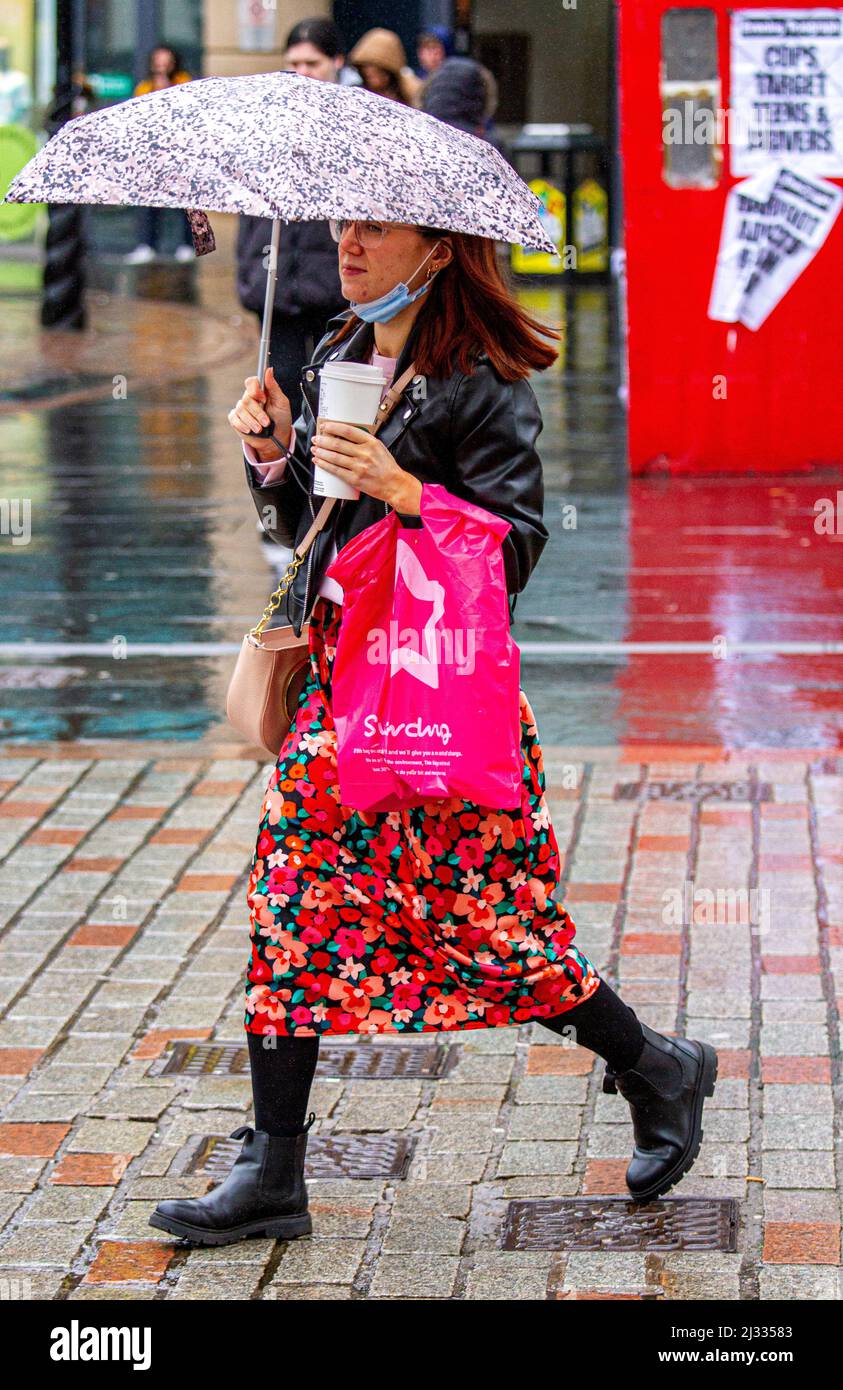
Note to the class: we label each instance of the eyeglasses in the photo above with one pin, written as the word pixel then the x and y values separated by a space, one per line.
pixel 369 234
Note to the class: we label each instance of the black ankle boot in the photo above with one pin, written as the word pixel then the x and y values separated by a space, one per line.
pixel 263 1195
pixel 665 1091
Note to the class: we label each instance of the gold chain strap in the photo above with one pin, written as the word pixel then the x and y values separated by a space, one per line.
pixel 274 599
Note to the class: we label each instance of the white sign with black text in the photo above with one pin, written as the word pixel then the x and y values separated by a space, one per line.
pixel 773 226
pixel 786 100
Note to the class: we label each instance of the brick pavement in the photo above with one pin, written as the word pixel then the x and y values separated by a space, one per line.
pixel 708 886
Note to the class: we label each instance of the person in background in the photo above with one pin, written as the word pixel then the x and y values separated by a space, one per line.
pixel 458 94
pixel 15 89
pixel 433 46
pixel 164 69
pixel 382 63
pixel 315 48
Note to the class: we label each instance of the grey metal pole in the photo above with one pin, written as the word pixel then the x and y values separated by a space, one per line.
pixel 269 299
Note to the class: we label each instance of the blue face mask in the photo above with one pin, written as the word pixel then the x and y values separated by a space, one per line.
pixel 383 309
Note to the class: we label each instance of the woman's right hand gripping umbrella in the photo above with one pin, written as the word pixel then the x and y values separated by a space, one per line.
pixel 260 406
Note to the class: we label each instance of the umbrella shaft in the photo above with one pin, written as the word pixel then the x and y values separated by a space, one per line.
pixel 269 299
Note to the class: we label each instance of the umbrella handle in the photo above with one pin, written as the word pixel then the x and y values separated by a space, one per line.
pixel 268 307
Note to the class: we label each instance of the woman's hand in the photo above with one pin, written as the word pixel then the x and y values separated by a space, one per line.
pixel 360 458
pixel 261 406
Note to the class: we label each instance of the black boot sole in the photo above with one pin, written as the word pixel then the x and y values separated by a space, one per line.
pixel 686 1160
pixel 279 1228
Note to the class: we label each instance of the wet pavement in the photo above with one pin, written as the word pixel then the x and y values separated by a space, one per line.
pixel 126 606
pixel 486 1165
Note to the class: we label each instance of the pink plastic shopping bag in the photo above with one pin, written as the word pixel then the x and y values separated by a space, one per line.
pixel 426 677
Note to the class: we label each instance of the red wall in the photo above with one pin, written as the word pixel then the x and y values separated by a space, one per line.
pixel 784 406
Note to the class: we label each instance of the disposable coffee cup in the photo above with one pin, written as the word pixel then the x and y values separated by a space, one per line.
pixel 350 392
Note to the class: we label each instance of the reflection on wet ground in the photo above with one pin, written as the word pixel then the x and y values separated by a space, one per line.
pixel 141 532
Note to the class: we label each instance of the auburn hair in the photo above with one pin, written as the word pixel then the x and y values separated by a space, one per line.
pixel 471 308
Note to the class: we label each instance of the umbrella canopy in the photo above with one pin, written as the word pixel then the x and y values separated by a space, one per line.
pixel 288 147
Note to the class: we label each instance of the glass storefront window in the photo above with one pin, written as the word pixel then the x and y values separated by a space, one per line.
pixel 120 33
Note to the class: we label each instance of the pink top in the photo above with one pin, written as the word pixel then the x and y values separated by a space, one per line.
pixel 274 472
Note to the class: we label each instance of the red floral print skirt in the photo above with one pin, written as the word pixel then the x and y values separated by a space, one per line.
pixel 436 918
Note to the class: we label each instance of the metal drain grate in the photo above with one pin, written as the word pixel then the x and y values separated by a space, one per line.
pixel 388 1061
pixel 617 1223
pixel 328 1156
pixel 205 1059
pixel 364 1060
pixel 694 791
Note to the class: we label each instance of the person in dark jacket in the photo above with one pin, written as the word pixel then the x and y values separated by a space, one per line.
pixel 458 93
pixel 442 917
pixel 435 48
pixel 307 292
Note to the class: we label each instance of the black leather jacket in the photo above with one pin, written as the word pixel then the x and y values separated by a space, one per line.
pixel 474 434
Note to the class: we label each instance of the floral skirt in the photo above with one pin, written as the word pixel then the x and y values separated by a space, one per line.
pixel 436 918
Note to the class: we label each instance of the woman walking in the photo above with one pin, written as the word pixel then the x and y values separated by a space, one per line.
pixel 441 918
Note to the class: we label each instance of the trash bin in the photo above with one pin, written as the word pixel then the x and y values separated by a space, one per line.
pixel 567 168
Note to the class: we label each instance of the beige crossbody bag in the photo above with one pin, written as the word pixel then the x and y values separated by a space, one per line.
pixel 272 663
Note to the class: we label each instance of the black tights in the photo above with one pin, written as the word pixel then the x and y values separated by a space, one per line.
pixel 282 1073
pixel 604 1024
pixel 283 1067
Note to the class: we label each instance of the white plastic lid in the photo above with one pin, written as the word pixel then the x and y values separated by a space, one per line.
pixel 354 371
